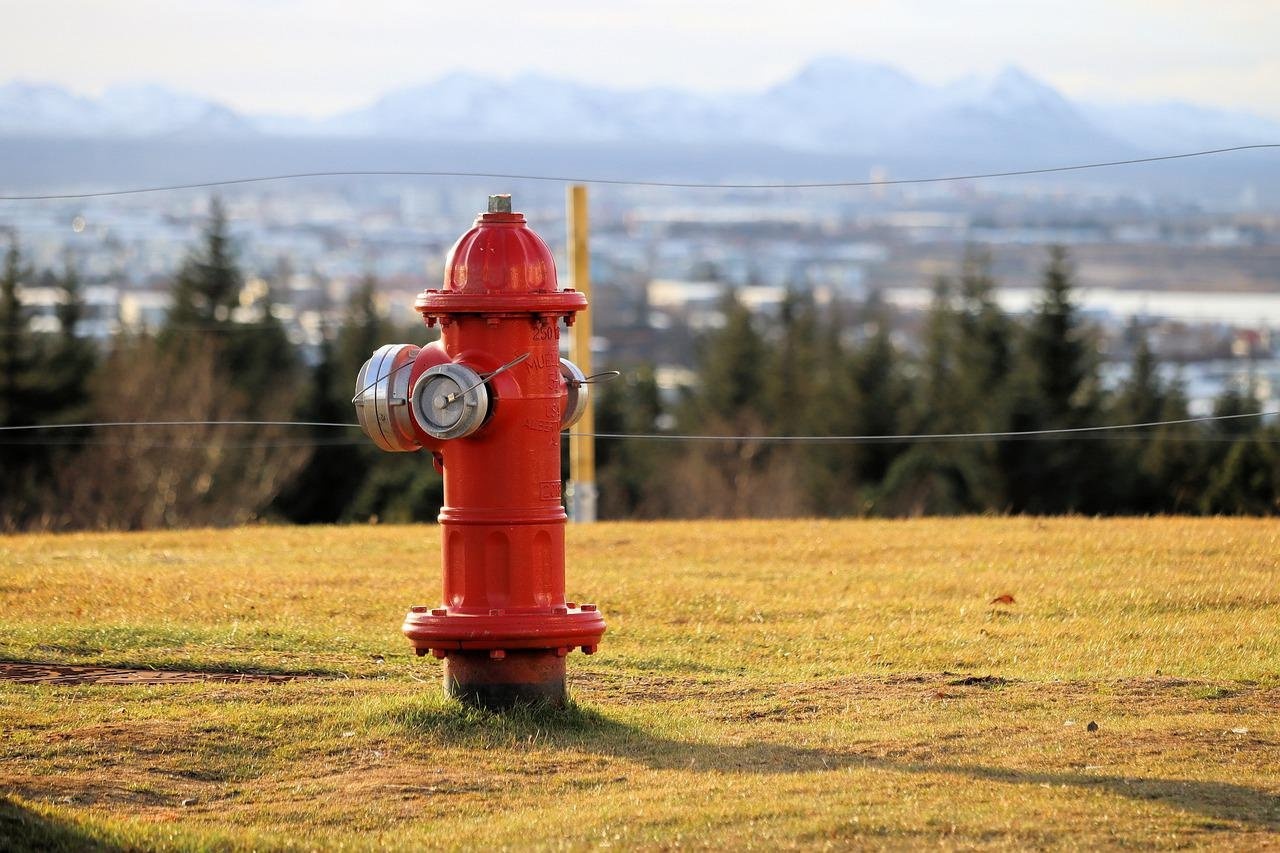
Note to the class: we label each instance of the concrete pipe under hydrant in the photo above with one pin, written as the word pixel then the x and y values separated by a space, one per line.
pixel 489 401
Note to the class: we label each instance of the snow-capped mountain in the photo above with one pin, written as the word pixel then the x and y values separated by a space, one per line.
pixel 833 105
pixel 1008 112
pixel 34 109
pixel 1154 126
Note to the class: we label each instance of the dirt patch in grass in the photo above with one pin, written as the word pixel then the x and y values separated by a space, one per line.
pixel 69 675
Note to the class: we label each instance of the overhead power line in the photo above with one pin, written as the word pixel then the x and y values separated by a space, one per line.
pixel 1071 432
pixel 111 424
pixel 569 179
pixel 1090 432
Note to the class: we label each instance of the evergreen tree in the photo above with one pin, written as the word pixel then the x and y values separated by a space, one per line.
pixel 1160 463
pixel 17 363
pixel 260 359
pixel 835 476
pixel 984 348
pixel 70 359
pixel 1058 349
pixel 1244 477
pixel 629 473
pixel 936 406
pixel 789 385
pixel 1056 387
pixel 963 384
pixel 880 400
pixel 323 489
pixel 17 343
pixel 744 476
pixel 208 284
pixel 43 380
pixel 1247 482
pixel 363 330
pixel 734 363
pixel 254 349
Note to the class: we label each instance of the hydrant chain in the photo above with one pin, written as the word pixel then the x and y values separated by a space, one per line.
pixel 356 400
pixel 510 364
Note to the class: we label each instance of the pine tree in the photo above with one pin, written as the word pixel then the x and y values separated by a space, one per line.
pixel 363 330
pixel 629 473
pixel 834 475
pixel 16 341
pixel 733 366
pixel 984 347
pixel 744 476
pixel 43 380
pixel 963 380
pixel 254 349
pixel 324 488
pixel 208 284
pixel 789 385
pixel 1056 387
pixel 1157 462
pixel 17 360
pixel 260 359
pixel 71 359
pixel 1244 473
pixel 1059 351
pixel 936 404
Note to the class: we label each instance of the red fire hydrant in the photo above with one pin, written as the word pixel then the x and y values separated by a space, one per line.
pixel 489 401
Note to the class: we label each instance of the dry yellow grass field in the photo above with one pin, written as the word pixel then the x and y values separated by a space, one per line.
pixel 763 684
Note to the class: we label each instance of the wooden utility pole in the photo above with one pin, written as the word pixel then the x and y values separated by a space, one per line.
pixel 582 447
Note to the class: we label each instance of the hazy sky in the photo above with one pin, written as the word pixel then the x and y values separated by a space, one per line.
pixel 321 56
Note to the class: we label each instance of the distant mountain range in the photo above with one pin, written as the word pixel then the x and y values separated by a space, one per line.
pixel 835 106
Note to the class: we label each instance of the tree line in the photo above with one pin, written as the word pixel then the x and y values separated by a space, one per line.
pixel 833 370
pixel 816 370
pixel 216 358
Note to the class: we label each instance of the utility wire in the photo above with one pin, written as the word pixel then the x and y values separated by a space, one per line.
pixel 363 442
pixel 104 424
pixel 1083 432
pixel 183 445
pixel 411 173
pixel 1076 432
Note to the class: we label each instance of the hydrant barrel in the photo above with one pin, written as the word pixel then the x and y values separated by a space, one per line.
pixel 489 401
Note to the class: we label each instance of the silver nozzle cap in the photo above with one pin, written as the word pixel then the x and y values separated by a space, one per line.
pixel 500 203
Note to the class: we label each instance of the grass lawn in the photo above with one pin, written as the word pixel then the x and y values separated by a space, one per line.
pixel 811 683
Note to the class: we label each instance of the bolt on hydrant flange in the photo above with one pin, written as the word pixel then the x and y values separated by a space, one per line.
pixel 489 401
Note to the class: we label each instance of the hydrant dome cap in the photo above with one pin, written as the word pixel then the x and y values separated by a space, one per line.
pixel 500 255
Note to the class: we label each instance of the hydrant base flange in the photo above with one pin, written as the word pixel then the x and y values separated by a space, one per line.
pixel 521 677
pixel 562 627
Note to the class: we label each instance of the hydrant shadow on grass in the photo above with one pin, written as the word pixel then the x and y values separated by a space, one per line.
pixel 24 828
pixel 586 729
